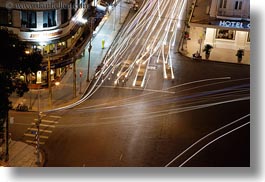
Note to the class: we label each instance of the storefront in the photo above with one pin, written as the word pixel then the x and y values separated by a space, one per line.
pixel 228 34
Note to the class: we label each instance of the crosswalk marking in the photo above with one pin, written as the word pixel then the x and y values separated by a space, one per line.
pixel 55 117
pixel 35 142
pixel 47 121
pixel 45 125
pixel 41 130
pixel 32 135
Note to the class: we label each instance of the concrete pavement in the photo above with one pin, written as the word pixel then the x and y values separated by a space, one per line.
pixel 22 154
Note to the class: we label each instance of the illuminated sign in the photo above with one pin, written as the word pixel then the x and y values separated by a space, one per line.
pixel 234 24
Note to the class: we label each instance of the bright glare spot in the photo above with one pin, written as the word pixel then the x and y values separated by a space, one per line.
pixel 57 83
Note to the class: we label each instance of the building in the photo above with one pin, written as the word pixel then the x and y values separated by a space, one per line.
pixel 224 24
pixel 59 29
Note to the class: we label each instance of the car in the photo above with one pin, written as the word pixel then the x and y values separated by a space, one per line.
pixel 125 69
pixel 124 72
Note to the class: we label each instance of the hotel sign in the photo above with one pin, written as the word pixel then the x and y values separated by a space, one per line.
pixel 234 24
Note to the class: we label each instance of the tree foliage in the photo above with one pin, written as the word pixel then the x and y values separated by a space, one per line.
pixel 14 62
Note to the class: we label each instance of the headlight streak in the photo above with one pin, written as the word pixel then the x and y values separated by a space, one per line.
pixel 174 111
pixel 110 62
pixel 114 120
pixel 177 86
pixel 213 142
pixel 213 132
pixel 180 105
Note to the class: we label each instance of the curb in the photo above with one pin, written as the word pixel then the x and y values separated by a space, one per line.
pixel 210 60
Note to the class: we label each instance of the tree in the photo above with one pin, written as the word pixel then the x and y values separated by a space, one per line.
pixel 13 62
pixel 207 49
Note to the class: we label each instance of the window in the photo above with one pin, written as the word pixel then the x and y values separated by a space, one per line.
pixel 28 19
pixel 238 5
pixel 64 16
pixel 222 3
pixel 225 34
pixel 49 19
pixel 3 16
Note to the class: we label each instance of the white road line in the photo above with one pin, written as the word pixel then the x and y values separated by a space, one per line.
pixel 32 135
pixel 55 116
pixel 35 142
pixel 41 130
pixel 46 125
pixel 150 90
pixel 47 121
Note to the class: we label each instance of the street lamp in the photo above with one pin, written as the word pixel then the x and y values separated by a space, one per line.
pixel 38 122
pixel 90 47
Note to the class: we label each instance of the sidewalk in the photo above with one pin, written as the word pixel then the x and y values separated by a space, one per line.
pixel 63 94
pixel 22 154
pixel 195 32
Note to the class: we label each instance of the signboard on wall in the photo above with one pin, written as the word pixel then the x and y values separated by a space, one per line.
pixel 234 24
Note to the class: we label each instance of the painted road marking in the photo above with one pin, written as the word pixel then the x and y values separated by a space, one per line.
pixel 55 117
pixel 35 142
pixel 32 135
pixel 45 125
pixel 47 121
pixel 41 130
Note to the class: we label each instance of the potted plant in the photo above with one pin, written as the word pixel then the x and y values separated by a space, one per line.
pixel 207 49
pixel 240 54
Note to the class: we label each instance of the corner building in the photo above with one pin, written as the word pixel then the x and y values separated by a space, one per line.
pixel 56 28
pixel 225 24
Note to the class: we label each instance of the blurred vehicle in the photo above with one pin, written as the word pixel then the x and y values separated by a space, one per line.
pixel 124 72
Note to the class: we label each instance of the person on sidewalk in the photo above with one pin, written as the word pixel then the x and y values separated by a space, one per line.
pixel 103 43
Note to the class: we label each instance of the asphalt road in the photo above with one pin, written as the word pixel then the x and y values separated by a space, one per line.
pixel 199 118
pixel 123 126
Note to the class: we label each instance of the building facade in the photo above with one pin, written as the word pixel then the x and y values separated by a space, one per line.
pixel 224 24
pixel 56 28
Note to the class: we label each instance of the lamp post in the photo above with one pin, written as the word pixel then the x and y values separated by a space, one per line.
pixel 120 11
pixel 90 47
pixel 38 122
pixel 49 79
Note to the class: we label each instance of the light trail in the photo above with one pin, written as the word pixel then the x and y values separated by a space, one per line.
pixel 213 142
pixel 204 137
pixel 151 93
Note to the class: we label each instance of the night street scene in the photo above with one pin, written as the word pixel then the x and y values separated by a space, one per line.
pixel 125 83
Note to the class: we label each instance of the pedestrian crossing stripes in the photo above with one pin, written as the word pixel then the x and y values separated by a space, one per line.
pixel 47 121
pixel 46 125
pixel 34 142
pixel 59 117
pixel 41 130
pixel 34 135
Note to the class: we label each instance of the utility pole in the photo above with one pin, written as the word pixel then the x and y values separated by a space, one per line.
pixel 7 137
pixel 90 47
pixel 120 11
pixel 49 78
pixel 38 122
pixel 74 77
pixel 114 23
